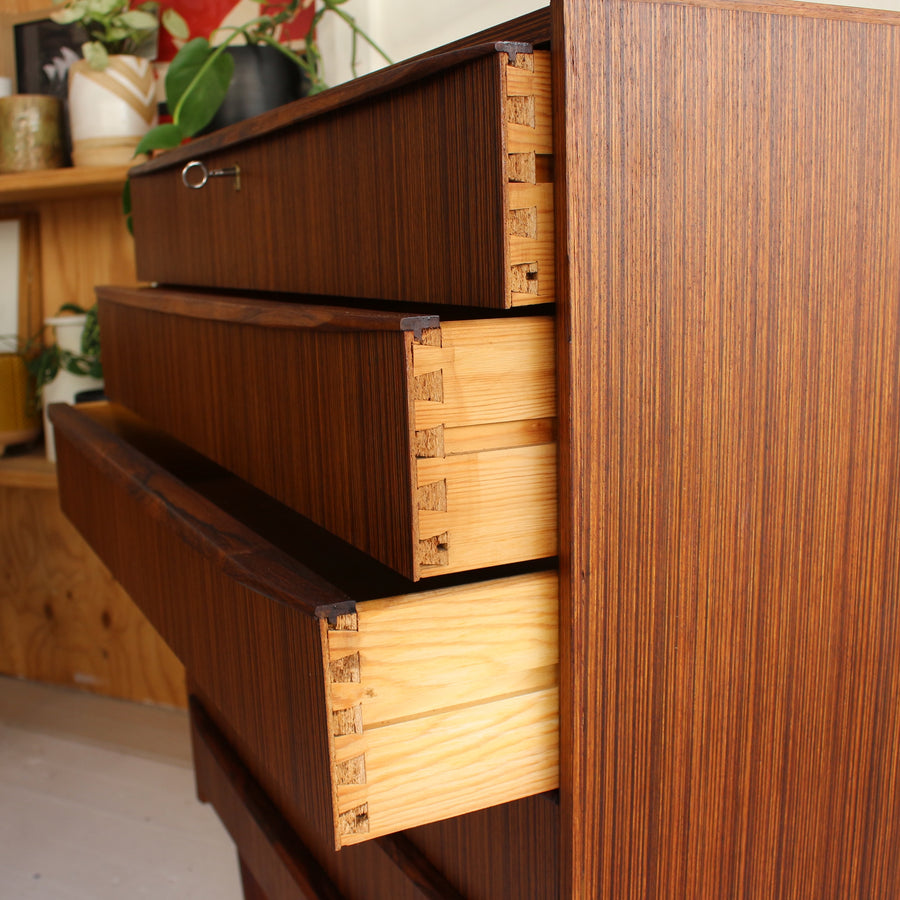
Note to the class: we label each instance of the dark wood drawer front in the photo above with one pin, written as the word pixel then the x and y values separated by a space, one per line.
pixel 429 445
pixel 358 717
pixel 437 190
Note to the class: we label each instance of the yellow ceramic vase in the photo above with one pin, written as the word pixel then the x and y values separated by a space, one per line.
pixel 16 425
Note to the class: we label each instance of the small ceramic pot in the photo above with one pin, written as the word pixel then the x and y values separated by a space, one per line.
pixel 110 111
pixel 65 386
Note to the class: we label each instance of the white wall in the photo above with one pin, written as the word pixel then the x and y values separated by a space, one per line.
pixel 9 284
pixel 404 28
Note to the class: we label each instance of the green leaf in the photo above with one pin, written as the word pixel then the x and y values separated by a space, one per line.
pixel 69 14
pixel 103 8
pixel 175 24
pixel 137 20
pixel 184 67
pixel 126 198
pixel 196 84
pixel 95 53
pixel 72 308
pixel 163 137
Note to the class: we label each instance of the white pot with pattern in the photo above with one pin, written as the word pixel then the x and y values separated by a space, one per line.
pixel 110 111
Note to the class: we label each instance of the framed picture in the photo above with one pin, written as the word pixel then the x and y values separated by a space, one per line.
pixel 44 52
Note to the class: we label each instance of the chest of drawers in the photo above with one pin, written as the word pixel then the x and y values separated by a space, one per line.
pixel 727 332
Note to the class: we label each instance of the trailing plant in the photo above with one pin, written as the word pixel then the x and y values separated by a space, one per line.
pixel 113 27
pixel 45 361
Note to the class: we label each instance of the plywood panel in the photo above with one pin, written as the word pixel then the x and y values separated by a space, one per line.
pixel 63 619
pixel 84 242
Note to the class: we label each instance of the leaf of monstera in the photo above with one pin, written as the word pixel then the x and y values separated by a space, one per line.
pixel 163 137
pixel 196 84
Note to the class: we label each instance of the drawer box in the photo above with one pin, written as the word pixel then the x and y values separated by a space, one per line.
pixel 361 705
pixel 428 444
pixel 436 189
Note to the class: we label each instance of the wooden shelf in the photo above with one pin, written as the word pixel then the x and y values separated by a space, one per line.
pixel 61 184
pixel 31 470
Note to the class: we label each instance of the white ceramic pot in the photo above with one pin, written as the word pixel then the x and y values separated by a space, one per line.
pixel 110 111
pixel 63 388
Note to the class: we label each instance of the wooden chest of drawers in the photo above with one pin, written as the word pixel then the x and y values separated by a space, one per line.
pixel 725 261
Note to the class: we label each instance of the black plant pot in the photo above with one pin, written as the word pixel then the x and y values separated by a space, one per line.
pixel 263 79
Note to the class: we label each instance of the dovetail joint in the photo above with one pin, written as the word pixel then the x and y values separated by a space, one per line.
pixel 354 821
pixel 429 443
pixel 435 551
pixel 429 386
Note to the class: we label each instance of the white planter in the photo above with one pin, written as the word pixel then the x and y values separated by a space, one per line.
pixel 110 111
pixel 65 386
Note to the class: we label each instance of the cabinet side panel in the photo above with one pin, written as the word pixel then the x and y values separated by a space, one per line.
pixel 730 432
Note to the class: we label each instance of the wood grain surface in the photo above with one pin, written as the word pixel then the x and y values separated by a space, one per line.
pixel 505 851
pixel 319 419
pixel 63 619
pixel 84 242
pixel 398 198
pixel 730 361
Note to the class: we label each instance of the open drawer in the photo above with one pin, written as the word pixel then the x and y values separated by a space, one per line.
pixel 428 444
pixel 436 189
pixel 361 705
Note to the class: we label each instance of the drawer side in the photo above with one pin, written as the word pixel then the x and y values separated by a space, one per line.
pixel 442 703
pixel 530 240
pixel 484 422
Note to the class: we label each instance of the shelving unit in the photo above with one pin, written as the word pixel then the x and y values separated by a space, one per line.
pixel 63 619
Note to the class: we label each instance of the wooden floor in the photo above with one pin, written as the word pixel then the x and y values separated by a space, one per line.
pixel 97 801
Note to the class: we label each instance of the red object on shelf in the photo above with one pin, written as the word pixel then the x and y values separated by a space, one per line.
pixel 205 16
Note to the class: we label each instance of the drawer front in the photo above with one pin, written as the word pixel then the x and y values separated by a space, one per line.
pixel 435 192
pixel 360 717
pixel 429 445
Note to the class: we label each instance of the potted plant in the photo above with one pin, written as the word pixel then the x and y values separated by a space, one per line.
pixel 199 77
pixel 112 91
pixel 67 367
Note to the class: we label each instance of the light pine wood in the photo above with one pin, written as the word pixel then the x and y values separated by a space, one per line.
pixel 497 502
pixel 442 703
pixel 470 439
pixel 490 371
pixel 531 81
pixel 84 242
pixel 529 193
pixel 63 619
pixel 484 401
pixel 61 184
